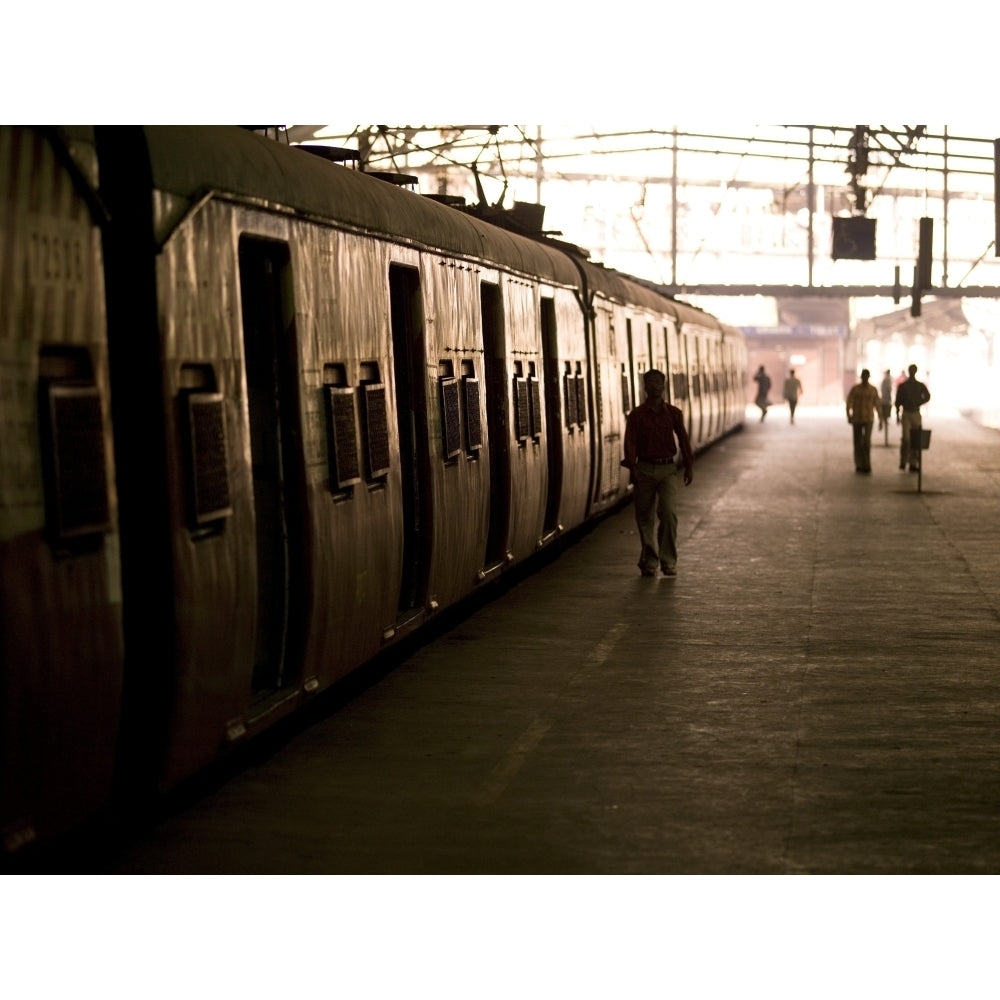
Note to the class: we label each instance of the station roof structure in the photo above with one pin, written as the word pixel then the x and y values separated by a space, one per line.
pixel 710 213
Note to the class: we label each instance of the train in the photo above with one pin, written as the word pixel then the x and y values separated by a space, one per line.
pixel 264 415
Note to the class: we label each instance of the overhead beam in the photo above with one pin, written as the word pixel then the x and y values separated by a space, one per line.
pixel 829 291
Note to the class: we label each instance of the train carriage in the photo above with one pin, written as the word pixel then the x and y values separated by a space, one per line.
pixel 699 336
pixel 734 361
pixel 567 370
pixel 606 302
pixel 61 646
pixel 314 409
pixel 314 317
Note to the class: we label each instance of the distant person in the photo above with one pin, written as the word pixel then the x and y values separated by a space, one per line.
pixel 900 379
pixel 763 381
pixel 653 431
pixel 886 390
pixel 791 392
pixel 910 396
pixel 862 408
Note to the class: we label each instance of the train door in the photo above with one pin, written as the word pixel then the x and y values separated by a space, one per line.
pixel 612 396
pixel 712 386
pixel 409 358
pixel 636 366
pixel 494 347
pixel 686 381
pixel 697 372
pixel 553 416
pixel 272 397
pixel 662 355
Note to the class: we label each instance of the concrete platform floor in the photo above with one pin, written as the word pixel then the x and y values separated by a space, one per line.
pixel 818 691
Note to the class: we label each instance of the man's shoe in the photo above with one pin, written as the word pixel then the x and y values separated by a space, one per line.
pixel 648 572
pixel 667 571
pixel 914 468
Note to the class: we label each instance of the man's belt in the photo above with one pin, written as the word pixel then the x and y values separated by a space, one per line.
pixel 658 461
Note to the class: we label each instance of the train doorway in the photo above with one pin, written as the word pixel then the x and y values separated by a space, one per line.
pixel 409 356
pixel 269 351
pixel 553 417
pixel 498 427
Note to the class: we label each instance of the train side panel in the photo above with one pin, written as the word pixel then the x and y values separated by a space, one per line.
pixel 527 440
pixel 209 463
pixel 303 567
pixel 735 360
pixel 310 411
pixel 455 379
pixel 611 396
pixel 699 337
pixel 353 506
pixel 566 391
pixel 61 647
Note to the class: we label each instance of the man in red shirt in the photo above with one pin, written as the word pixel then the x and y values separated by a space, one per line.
pixel 653 431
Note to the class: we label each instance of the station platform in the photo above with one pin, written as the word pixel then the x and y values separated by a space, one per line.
pixel 817 691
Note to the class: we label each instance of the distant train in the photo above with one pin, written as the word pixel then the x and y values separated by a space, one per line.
pixel 262 416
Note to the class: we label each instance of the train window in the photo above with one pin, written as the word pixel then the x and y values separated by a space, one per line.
pixel 375 422
pixel 680 385
pixel 203 422
pixel 77 455
pixel 71 422
pixel 470 403
pixel 569 397
pixel 522 413
pixel 581 397
pixel 342 438
pixel 340 411
pixel 696 384
pixel 626 392
pixel 534 402
pixel 451 431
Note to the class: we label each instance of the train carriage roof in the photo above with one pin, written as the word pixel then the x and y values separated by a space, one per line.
pixel 621 287
pixel 193 161
pixel 690 315
pixel 638 292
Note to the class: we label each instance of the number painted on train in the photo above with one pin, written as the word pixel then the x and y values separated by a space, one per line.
pixel 55 256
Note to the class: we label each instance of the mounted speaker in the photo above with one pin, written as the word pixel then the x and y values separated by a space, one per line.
pixel 924 252
pixel 853 238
